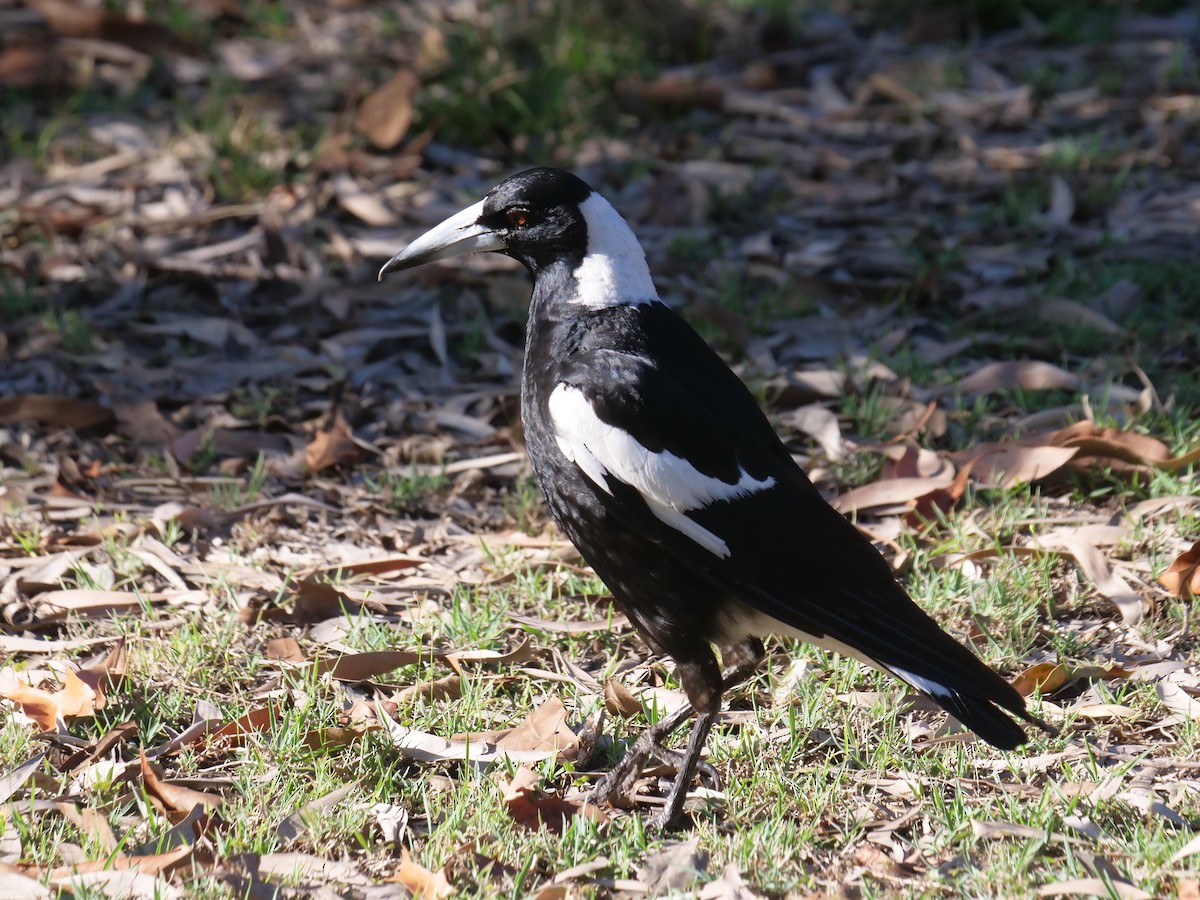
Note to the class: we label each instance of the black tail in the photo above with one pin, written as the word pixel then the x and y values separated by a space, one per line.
pixel 988 717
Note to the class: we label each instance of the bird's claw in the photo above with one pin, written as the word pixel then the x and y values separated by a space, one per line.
pixel 618 784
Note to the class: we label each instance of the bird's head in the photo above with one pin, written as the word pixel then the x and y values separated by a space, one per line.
pixel 542 217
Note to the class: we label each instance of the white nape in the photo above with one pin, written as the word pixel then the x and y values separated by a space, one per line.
pixel 614 271
pixel 670 485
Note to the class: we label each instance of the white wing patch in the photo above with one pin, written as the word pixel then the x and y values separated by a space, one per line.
pixel 670 485
pixel 614 271
pixel 932 688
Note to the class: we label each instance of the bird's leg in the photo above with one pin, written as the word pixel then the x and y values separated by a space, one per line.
pixel 619 780
pixel 671 810
pixel 743 659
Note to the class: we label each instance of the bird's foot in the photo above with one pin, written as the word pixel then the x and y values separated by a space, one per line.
pixel 618 784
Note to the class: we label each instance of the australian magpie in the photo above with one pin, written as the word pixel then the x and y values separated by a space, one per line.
pixel 666 475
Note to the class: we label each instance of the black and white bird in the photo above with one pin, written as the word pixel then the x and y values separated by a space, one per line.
pixel 661 468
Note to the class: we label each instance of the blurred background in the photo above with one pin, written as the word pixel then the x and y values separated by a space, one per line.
pixel 195 196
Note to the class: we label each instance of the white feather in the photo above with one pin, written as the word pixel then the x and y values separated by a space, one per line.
pixel 670 485
pixel 932 688
pixel 614 271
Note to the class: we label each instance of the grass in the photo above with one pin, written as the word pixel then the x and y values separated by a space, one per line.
pixel 798 775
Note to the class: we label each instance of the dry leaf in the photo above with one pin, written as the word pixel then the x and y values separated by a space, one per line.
pixel 1182 577
pixel 174 797
pixel 372 566
pixel 1191 848
pixel 1005 466
pixel 889 492
pixel 54 412
pixel 74 698
pixel 1029 375
pixel 447 688
pixel 385 115
pixel 233 734
pixel 371 664
pixel 619 701
pixel 543 730
pixel 1177 699
pixel 730 886
pixel 333 446
pixel 315 601
pixel 1093 887
pixel 421 882
pixel 1047 678
pixel 675 866
pixel 285 649
pixel 1094 564
pixel 534 809
pixel 14 778
pixel 939 501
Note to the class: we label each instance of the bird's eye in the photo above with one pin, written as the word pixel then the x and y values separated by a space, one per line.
pixel 518 217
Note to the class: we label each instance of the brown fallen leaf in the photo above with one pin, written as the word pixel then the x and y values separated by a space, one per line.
pixel 423 883
pixel 54 412
pixel 1107 581
pixel 286 649
pixel 233 734
pixel 889 492
pixel 1177 698
pixel 1007 465
pixel 142 423
pixel 1050 677
pixel 109 673
pixel 1108 448
pixel 386 113
pixel 17 884
pixel 1182 577
pixel 81 21
pixel 75 698
pixel 371 664
pixel 544 729
pixel 447 688
pixel 333 446
pixel 32 65
pixel 85 756
pixel 1098 887
pixel 315 601
pixel 939 501
pixel 334 737
pixel 148 864
pixel 1029 375
pixel 534 809
pixel 296 823
pixel 173 797
pixel 619 701
pixel 372 566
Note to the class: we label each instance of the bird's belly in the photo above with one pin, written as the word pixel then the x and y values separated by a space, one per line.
pixel 740 621
pixel 668 602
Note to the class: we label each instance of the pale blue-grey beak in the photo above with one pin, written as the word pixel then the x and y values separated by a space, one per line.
pixel 459 234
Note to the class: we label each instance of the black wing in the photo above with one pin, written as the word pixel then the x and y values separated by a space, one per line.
pixel 789 554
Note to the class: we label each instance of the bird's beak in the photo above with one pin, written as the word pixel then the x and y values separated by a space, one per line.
pixel 459 234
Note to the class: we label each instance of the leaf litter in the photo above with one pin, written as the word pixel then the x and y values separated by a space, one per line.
pixel 211 406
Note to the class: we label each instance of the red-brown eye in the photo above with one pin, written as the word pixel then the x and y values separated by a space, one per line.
pixel 517 217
